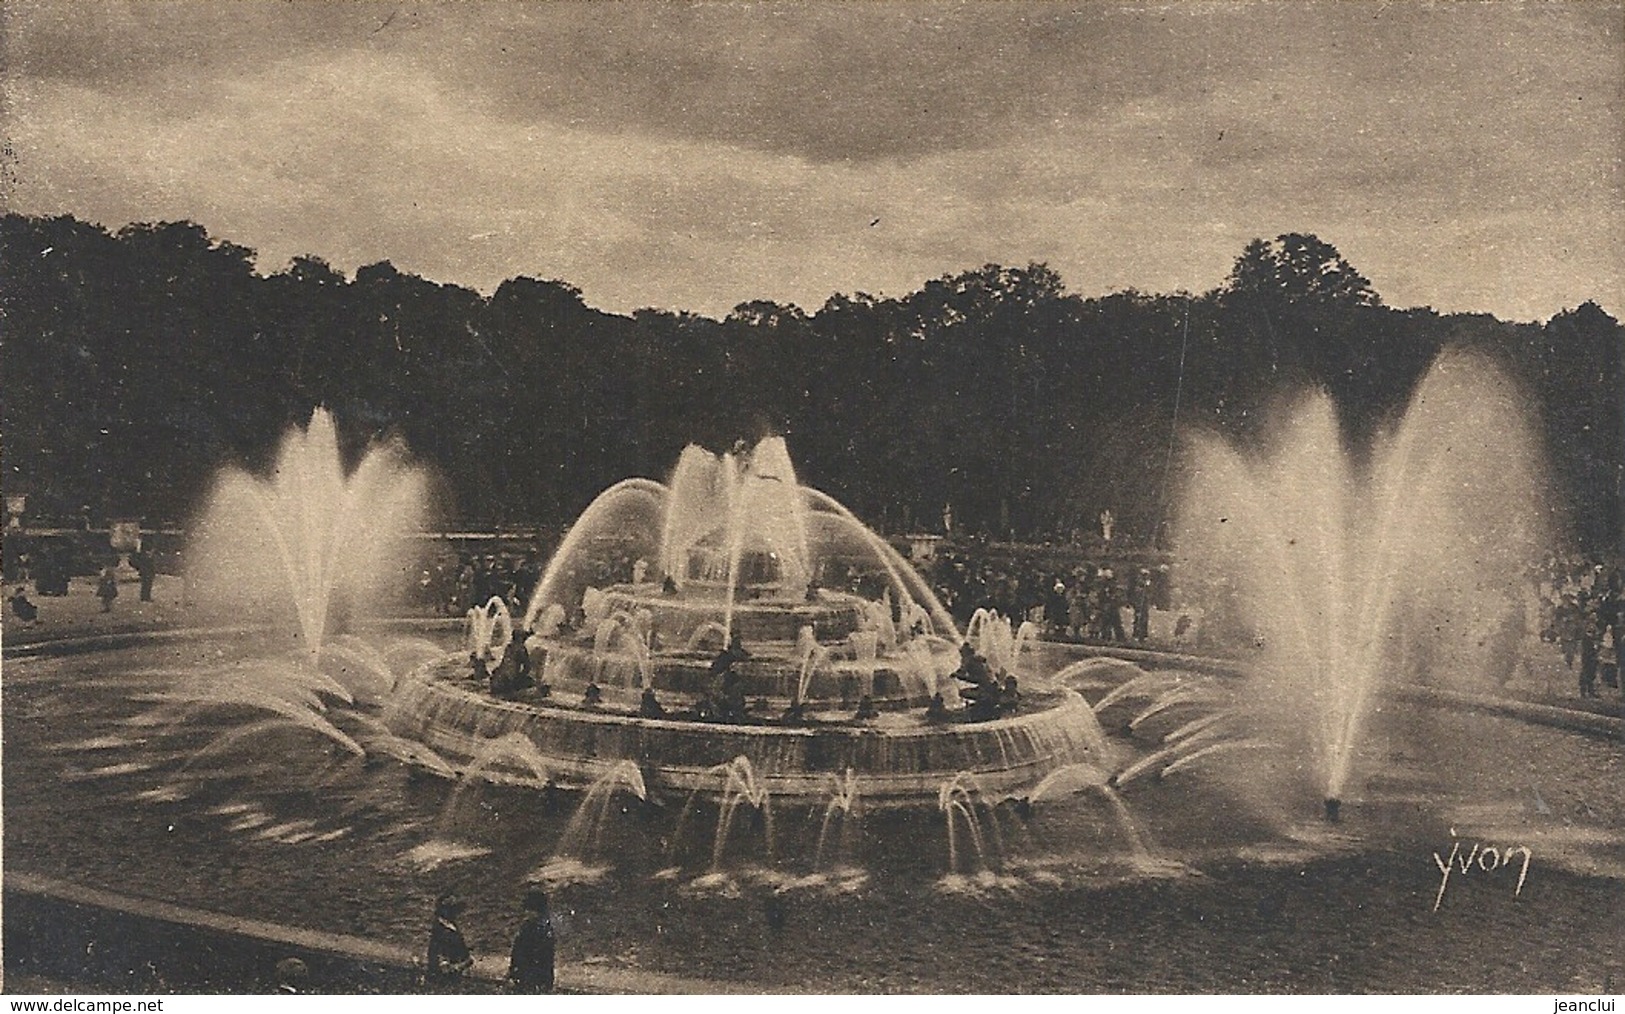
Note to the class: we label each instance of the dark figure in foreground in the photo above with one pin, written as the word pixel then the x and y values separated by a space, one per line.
pixel 107 589
pixel 146 566
pixel 530 963
pixel 449 957
pixel 21 608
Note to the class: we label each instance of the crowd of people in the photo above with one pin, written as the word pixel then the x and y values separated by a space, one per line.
pixel 50 579
pixel 1083 601
pixel 1582 602
pixel 453 583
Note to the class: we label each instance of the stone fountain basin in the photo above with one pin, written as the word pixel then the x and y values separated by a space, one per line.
pixel 898 760
pixel 889 680
pixel 678 618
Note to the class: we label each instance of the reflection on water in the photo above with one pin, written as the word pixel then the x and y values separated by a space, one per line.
pixel 293 804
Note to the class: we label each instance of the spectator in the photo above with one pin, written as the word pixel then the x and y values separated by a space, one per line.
pixel 449 956
pixel 531 960
pixel 107 588
pixel 146 567
pixel 21 608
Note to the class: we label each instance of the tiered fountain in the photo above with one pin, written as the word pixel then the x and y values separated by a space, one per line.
pixel 654 580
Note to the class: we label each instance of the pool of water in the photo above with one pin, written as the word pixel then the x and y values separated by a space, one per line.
pixel 127 770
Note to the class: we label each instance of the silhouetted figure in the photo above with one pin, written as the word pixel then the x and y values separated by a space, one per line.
pixel 1141 601
pixel 512 674
pixel 984 701
pixel 21 608
pixel 649 705
pixel 795 714
pixel 146 567
pixel 866 709
pixel 937 710
pixel 668 586
pixel 1589 638
pixel 973 668
pixel 1056 608
pixel 481 672
pixel 49 574
pixel 530 962
pixel 1009 696
pixel 107 589
pixel 1111 626
pixel 449 957
pixel 727 657
pixel 1569 624
pixel 593 696
pixel 1608 658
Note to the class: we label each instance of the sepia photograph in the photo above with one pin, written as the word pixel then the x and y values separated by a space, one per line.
pixel 890 498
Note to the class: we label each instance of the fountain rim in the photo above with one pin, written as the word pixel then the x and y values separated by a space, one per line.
pixel 73 643
pixel 888 789
pixel 616 718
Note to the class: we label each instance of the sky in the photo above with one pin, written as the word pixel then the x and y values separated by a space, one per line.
pixel 1464 156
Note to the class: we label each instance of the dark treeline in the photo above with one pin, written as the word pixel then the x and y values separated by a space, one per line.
pixel 140 361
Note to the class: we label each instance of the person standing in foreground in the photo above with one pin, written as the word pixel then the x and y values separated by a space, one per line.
pixel 449 957
pixel 107 588
pixel 530 965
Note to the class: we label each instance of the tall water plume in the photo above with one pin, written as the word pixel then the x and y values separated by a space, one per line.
pixel 309 538
pixel 1352 571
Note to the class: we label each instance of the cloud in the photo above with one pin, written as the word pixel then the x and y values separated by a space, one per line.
pixel 698 156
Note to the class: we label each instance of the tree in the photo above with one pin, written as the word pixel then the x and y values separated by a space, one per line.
pixel 1298 268
pixel 1582 391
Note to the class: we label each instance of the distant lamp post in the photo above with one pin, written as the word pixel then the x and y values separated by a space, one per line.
pixel 16 507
